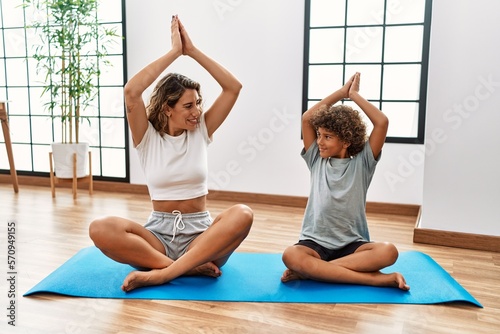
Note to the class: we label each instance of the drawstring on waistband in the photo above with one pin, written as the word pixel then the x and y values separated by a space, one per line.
pixel 178 223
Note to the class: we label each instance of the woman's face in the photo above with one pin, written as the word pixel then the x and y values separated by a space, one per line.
pixel 330 145
pixel 185 115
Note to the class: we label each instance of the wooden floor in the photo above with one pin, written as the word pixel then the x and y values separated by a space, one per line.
pixel 50 231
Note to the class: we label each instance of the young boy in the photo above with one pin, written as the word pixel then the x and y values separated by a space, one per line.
pixel 334 244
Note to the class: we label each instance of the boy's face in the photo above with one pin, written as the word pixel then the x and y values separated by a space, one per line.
pixel 330 145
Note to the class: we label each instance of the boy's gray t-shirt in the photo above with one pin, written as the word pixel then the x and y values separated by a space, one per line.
pixel 335 214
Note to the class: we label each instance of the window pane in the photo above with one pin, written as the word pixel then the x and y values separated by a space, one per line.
pixel 4 161
pixel 12 15
pixel 111 165
pixel 15 45
pixel 116 44
pixel 57 128
pixel 36 77
pixel 112 74
pixel 91 109
pixel 323 79
pixel 16 72
pixel 327 13
pixel 89 131
pixel 41 158
pixel 326 46
pixel 403 118
pixel 112 132
pixel 32 40
pixel 19 129
pixel 37 102
pixel 18 101
pixel 403 44
pixel 2 76
pixel 401 82
pixel 370 79
pixel 111 101
pixel 364 44
pixel 22 156
pixel 110 11
pixel 3 93
pixel 88 49
pixel 363 12
pixel 42 129
pixel 96 161
pixel 405 11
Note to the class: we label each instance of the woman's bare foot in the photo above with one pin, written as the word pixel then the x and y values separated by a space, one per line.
pixel 207 269
pixel 289 275
pixel 137 279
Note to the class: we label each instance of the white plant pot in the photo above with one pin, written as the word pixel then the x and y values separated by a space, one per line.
pixel 63 159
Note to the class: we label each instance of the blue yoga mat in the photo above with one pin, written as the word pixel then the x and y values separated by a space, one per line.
pixel 253 277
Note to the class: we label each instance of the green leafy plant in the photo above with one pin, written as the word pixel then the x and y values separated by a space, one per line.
pixel 71 55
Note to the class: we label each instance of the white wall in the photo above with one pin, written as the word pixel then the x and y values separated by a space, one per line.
pixel 461 180
pixel 257 149
pixel 261 42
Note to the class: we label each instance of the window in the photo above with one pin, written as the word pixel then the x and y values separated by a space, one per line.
pixel 32 129
pixel 387 41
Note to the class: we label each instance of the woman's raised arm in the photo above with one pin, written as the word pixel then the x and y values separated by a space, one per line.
pixel 217 113
pixel 135 87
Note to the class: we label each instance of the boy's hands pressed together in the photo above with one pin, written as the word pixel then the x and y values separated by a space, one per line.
pixel 354 88
pixel 345 90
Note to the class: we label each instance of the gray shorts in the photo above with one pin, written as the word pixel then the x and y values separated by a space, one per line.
pixel 176 230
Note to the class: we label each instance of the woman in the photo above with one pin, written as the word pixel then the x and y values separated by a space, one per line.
pixel 171 136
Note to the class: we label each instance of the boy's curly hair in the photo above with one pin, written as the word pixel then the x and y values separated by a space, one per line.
pixel 344 122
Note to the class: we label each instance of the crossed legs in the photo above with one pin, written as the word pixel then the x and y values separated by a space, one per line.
pixel 128 242
pixel 361 267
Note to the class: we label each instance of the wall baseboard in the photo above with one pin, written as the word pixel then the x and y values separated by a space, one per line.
pixel 242 197
pixel 481 242
pixel 42 181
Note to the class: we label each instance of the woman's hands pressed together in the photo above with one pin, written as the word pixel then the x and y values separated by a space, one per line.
pixel 176 39
pixel 181 42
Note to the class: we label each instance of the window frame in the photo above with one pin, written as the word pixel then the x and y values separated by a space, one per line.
pixel 424 65
pixel 99 147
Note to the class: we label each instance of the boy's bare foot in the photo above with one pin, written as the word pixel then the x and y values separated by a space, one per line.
pixel 400 282
pixel 289 275
pixel 394 279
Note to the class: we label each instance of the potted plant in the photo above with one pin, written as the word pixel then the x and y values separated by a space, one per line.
pixel 70 55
